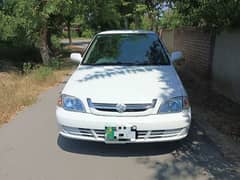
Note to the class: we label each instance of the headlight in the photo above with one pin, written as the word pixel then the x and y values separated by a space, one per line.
pixel 174 105
pixel 70 103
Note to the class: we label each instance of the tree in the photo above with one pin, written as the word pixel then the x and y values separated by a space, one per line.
pixel 131 13
pixel 170 19
pixel 32 20
pixel 209 14
pixel 9 23
pixel 38 18
pixel 101 15
pixel 70 13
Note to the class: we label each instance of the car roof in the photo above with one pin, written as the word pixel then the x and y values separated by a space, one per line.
pixel 126 32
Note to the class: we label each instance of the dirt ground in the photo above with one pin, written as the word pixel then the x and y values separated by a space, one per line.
pixel 207 105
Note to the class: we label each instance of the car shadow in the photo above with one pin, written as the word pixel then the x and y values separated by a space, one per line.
pixel 195 154
pixel 115 150
pixel 197 157
pixel 124 150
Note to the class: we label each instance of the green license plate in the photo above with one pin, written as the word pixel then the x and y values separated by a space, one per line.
pixel 109 133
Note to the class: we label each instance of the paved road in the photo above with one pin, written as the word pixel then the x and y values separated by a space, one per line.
pixel 30 149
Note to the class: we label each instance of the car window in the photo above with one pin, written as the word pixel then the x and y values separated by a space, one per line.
pixel 126 49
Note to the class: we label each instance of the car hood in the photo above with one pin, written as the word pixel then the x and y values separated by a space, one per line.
pixel 124 84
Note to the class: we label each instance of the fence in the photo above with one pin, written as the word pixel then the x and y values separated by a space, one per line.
pixel 196 46
pixel 213 57
pixel 226 64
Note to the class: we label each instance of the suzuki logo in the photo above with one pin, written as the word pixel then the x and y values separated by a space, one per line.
pixel 121 108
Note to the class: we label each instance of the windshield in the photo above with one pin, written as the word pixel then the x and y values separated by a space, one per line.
pixel 126 49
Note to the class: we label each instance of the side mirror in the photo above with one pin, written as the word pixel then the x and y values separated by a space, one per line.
pixel 176 55
pixel 76 57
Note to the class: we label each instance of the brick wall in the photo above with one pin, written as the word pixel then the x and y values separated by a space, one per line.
pixel 196 45
pixel 215 58
pixel 168 39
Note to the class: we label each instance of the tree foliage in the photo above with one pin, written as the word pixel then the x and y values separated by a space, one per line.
pixel 208 14
pixel 35 21
pixel 101 15
pixel 32 21
pixel 171 19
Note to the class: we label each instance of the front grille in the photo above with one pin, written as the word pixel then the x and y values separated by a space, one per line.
pixel 78 131
pixel 94 133
pixel 143 134
pixel 158 133
pixel 100 133
pixel 164 133
pixel 129 107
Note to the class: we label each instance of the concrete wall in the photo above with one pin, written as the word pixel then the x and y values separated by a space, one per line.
pixel 226 64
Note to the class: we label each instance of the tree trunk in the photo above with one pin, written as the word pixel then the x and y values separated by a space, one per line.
pixel 49 43
pixel 69 33
pixel 125 23
pixel 152 22
pixel 44 51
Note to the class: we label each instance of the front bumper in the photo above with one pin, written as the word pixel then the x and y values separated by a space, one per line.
pixel 151 128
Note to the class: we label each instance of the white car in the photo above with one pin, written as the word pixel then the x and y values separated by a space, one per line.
pixel 125 90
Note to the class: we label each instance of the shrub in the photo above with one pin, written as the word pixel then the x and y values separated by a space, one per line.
pixel 88 33
pixel 55 63
pixel 56 42
pixel 132 26
pixel 27 67
pixel 42 73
